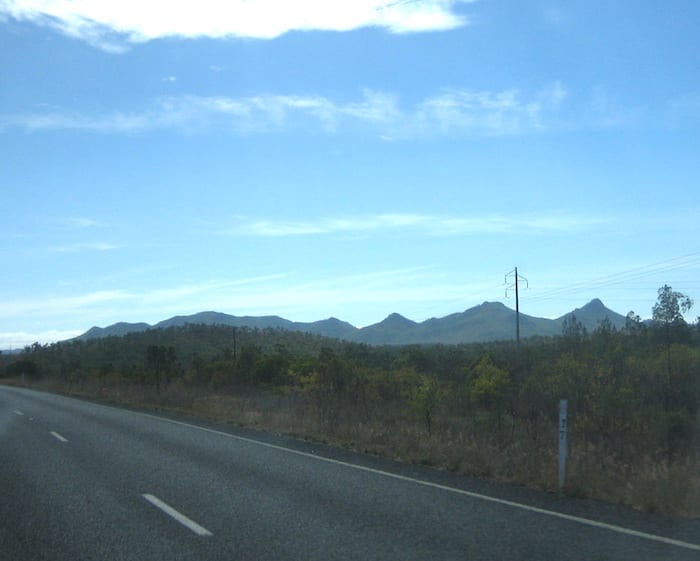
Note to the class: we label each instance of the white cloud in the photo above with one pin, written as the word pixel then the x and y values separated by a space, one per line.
pixel 425 224
pixel 12 340
pixel 81 222
pixel 86 246
pixel 555 94
pixel 62 306
pixel 486 113
pixel 453 111
pixel 359 224
pixel 606 110
pixel 289 295
pixel 376 107
pixel 113 25
pixel 111 303
pixel 56 120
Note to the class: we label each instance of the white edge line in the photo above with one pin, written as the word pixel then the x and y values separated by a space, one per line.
pixel 181 518
pixel 58 436
pixel 570 517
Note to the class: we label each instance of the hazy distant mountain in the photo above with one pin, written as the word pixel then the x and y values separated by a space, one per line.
pixel 331 327
pixel 592 314
pixel 490 321
pixel 217 318
pixel 393 330
pixel 115 330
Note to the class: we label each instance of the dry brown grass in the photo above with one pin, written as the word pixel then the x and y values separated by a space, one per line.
pixel 652 484
pixel 648 483
pixel 644 482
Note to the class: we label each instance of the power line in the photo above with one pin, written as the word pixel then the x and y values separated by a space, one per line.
pixel 625 277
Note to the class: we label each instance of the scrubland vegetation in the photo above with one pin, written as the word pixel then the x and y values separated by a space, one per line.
pixel 487 410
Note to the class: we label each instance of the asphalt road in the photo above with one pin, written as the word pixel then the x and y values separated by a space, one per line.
pixel 82 481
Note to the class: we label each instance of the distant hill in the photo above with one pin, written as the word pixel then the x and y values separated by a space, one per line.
pixel 592 314
pixel 331 327
pixel 490 321
pixel 217 318
pixel 393 330
pixel 116 330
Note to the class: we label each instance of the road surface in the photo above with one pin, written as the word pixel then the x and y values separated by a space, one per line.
pixel 83 481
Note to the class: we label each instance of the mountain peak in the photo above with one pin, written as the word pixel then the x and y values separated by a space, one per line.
pixel 397 319
pixel 493 305
pixel 592 314
pixel 595 304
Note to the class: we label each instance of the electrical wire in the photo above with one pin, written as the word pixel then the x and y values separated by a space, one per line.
pixel 626 277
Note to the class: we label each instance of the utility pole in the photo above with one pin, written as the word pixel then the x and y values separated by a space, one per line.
pixel 234 343
pixel 510 284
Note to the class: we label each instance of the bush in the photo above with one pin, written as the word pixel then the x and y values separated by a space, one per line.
pixel 22 367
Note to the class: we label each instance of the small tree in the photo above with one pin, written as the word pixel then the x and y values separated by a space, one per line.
pixel 634 327
pixel 573 333
pixel 160 361
pixel 491 387
pixel 668 313
pixel 670 307
pixel 425 400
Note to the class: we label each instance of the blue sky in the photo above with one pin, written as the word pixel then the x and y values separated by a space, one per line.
pixel 347 159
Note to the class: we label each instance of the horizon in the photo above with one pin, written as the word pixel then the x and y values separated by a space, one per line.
pixel 343 159
pixel 418 322
pixel 355 326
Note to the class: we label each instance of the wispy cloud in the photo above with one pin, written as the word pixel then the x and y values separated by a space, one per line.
pixel 480 112
pixel 77 305
pixel 80 222
pixel 506 112
pixel 86 246
pixel 359 224
pixel 113 26
pixel 68 305
pixel 12 340
pixel 606 110
pixel 71 120
pixel 423 224
pixel 450 111
pixel 348 296
pixel 453 112
pixel 203 291
pixel 288 294
pixel 684 109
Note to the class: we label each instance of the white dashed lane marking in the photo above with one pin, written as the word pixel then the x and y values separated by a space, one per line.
pixel 181 518
pixel 58 436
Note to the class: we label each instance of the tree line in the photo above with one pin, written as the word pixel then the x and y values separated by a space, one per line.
pixel 634 393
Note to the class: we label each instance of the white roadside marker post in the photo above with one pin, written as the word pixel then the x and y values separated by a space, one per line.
pixel 563 421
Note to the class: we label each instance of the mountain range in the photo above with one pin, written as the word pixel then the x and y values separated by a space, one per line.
pixel 490 321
